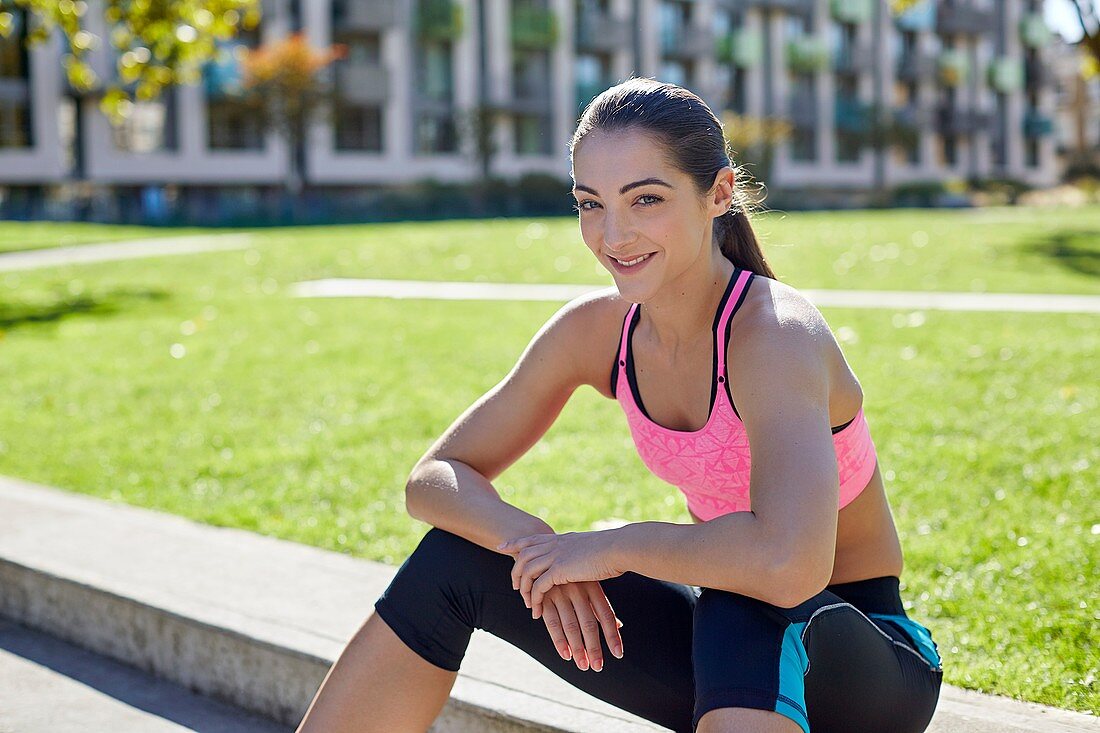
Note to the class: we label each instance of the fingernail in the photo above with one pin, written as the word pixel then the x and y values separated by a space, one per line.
pixel 617 651
pixel 568 654
pixel 597 665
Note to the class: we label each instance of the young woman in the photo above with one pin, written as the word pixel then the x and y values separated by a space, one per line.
pixel 778 608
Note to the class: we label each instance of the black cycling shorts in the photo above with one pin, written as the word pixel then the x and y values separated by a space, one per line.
pixel 849 660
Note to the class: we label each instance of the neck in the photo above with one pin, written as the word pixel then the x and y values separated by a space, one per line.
pixel 683 310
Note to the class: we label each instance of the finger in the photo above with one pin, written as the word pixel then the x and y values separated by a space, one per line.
pixel 572 629
pixel 519 543
pixel 552 619
pixel 608 622
pixel 532 571
pixel 520 566
pixel 542 585
pixel 590 629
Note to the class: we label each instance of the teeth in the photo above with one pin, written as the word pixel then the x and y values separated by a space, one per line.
pixel 631 262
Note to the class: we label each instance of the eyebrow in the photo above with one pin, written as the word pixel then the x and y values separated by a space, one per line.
pixel 627 187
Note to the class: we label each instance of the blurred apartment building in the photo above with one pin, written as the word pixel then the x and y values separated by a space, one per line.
pixel 971 78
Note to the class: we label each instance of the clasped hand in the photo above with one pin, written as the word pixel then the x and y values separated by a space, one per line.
pixel 546 560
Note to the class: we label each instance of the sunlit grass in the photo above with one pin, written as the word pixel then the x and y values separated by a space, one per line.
pixel 197 386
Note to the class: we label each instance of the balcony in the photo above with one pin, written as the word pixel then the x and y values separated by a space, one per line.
pixel 852 11
pixel 916 116
pixel 954 121
pixel 954 67
pixel 807 54
pixel 439 20
pixel 802 111
pixel 534 28
pixel 964 19
pixel 852 115
pixel 1034 31
pixel 920 17
pixel 1006 74
pixel 601 33
pixel 742 48
pixel 1037 124
pixel 367 15
pixel 917 66
pixel 687 42
pixel 853 59
pixel 801 7
pixel 363 83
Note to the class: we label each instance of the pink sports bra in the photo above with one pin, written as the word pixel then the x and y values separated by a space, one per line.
pixel 711 465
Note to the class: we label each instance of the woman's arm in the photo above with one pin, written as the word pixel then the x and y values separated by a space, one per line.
pixel 450 486
pixel 782 550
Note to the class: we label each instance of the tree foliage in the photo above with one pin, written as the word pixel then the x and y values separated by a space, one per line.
pixel 156 43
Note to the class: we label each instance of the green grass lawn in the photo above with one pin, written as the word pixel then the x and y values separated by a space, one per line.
pixel 196 385
pixel 24 235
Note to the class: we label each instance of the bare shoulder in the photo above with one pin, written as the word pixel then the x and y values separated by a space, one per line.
pixel 779 332
pixel 593 324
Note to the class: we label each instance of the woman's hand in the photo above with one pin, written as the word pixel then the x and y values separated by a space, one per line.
pixel 575 613
pixel 546 560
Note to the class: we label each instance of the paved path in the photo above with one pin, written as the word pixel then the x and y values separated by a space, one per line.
pixel 128 250
pixel 1023 302
pixel 48 685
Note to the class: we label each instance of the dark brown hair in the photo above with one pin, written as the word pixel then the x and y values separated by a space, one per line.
pixel 692 140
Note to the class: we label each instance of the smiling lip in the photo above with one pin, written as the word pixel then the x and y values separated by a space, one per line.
pixel 630 268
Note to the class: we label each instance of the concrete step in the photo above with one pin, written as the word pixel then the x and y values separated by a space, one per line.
pixel 51 685
pixel 256 621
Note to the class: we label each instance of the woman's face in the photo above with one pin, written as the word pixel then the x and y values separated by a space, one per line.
pixel 632 203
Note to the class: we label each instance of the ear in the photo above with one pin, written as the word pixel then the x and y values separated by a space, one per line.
pixel 720 197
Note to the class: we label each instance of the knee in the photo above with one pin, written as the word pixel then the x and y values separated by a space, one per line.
pixel 443 556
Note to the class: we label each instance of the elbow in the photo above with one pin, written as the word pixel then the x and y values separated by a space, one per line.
pixel 800 578
pixel 414 489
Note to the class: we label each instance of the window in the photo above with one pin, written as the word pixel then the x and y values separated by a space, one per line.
pixel 435 133
pixel 802 144
pixel 673 72
pixel 532 135
pixel 232 126
pixel 151 126
pixel 1031 151
pixel 435 71
pixel 358 128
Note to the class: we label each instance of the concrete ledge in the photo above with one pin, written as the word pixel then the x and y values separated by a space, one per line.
pixel 257 622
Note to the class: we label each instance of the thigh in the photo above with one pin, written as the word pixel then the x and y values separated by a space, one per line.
pixel 451 586
pixel 823 664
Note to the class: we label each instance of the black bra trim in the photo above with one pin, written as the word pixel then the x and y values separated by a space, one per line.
pixel 631 376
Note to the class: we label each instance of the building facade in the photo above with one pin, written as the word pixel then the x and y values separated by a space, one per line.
pixel 971 81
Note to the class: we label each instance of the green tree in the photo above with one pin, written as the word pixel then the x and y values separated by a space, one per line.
pixel 157 42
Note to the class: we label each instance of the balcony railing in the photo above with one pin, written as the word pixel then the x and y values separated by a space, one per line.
pixel 368 15
pixel 601 32
pixel 802 7
pixel 689 41
pixel 439 20
pixel 807 54
pixel 914 115
pixel 917 66
pixel 363 83
pixel 963 19
pixel 534 28
pixel 852 11
pixel 1036 124
pixel 1006 74
pixel 954 121
pixel 742 48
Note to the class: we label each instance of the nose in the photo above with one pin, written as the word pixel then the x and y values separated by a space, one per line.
pixel 616 233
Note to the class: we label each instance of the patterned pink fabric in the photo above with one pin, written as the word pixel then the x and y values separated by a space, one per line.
pixel 711 465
